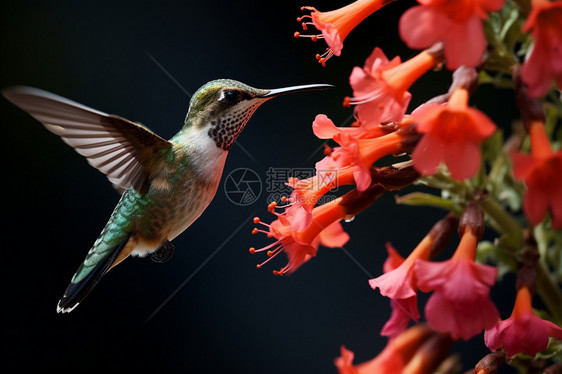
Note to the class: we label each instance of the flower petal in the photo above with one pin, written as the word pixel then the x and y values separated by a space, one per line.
pixel 298 254
pixel 323 127
pixel 462 159
pixel 333 236
pixel 344 363
pixel 428 154
pixel 362 178
pixel 536 72
pixel 396 284
pixel 417 26
pixel 482 126
pixel 377 60
pixel 361 82
pixel 402 311
pixel 393 260
pixel 522 164
pixel 333 39
pixel 535 204
pixel 462 50
pixel 461 320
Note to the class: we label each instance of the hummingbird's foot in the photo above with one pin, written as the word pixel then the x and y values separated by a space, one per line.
pixel 164 253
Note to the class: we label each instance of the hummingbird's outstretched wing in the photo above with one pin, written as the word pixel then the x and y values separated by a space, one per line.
pixel 121 149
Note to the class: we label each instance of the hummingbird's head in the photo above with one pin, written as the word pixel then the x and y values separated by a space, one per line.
pixel 222 107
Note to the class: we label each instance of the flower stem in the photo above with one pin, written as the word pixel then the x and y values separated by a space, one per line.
pixel 549 291
pixel 502 222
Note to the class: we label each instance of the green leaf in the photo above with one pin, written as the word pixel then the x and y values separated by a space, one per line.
pixel 426 199
pixel 554 349
pixel 510 13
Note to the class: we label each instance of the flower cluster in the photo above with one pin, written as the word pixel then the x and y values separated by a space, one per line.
pixel 301 227
pixel 503 196
pixel 416 350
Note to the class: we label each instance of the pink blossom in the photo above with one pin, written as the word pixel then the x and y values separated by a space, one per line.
pixel 400 285
pixel 460 303
pixel 380 88
pixel 402 309
pixel 524 331
pixel 373 95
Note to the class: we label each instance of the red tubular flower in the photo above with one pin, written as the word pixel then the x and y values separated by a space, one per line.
pixel 337 24
pixel 380 88
pixel 362 154
pixel 346 165
pixel 399 281
pixel 456 23
pixel 416 350
pixel 402 309
pixel 460 304
pixel 452 134
pixel 307 192
pixel 544 62
pixel 324 229
pixel 524 331
pixel 357 154
pixel 542 173
pixel 324 128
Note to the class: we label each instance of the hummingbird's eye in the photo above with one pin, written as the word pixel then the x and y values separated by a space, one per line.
pixel 229 96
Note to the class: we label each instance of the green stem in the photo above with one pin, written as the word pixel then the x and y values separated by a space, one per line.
pixel 502 222
pixel 497 167
pixel 443 182
pixel 549 292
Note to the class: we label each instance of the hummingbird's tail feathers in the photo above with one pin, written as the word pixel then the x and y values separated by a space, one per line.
pixel 121 149
pixel 76 292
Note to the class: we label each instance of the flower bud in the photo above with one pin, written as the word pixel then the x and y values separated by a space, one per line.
pixel 466 78
pixel 441 234
pixel 472 219
pixel 490 363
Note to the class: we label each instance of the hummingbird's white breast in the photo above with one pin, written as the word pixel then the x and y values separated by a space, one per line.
pixel 208 162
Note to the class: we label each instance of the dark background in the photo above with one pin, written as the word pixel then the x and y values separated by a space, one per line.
pixel 130 58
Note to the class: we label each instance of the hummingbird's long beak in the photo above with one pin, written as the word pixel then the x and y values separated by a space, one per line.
pixel 307 87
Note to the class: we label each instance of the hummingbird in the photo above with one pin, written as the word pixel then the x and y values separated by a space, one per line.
pixel 165 185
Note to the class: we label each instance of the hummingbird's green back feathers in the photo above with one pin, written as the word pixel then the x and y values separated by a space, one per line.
pixel 114 244
pixel 121 149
